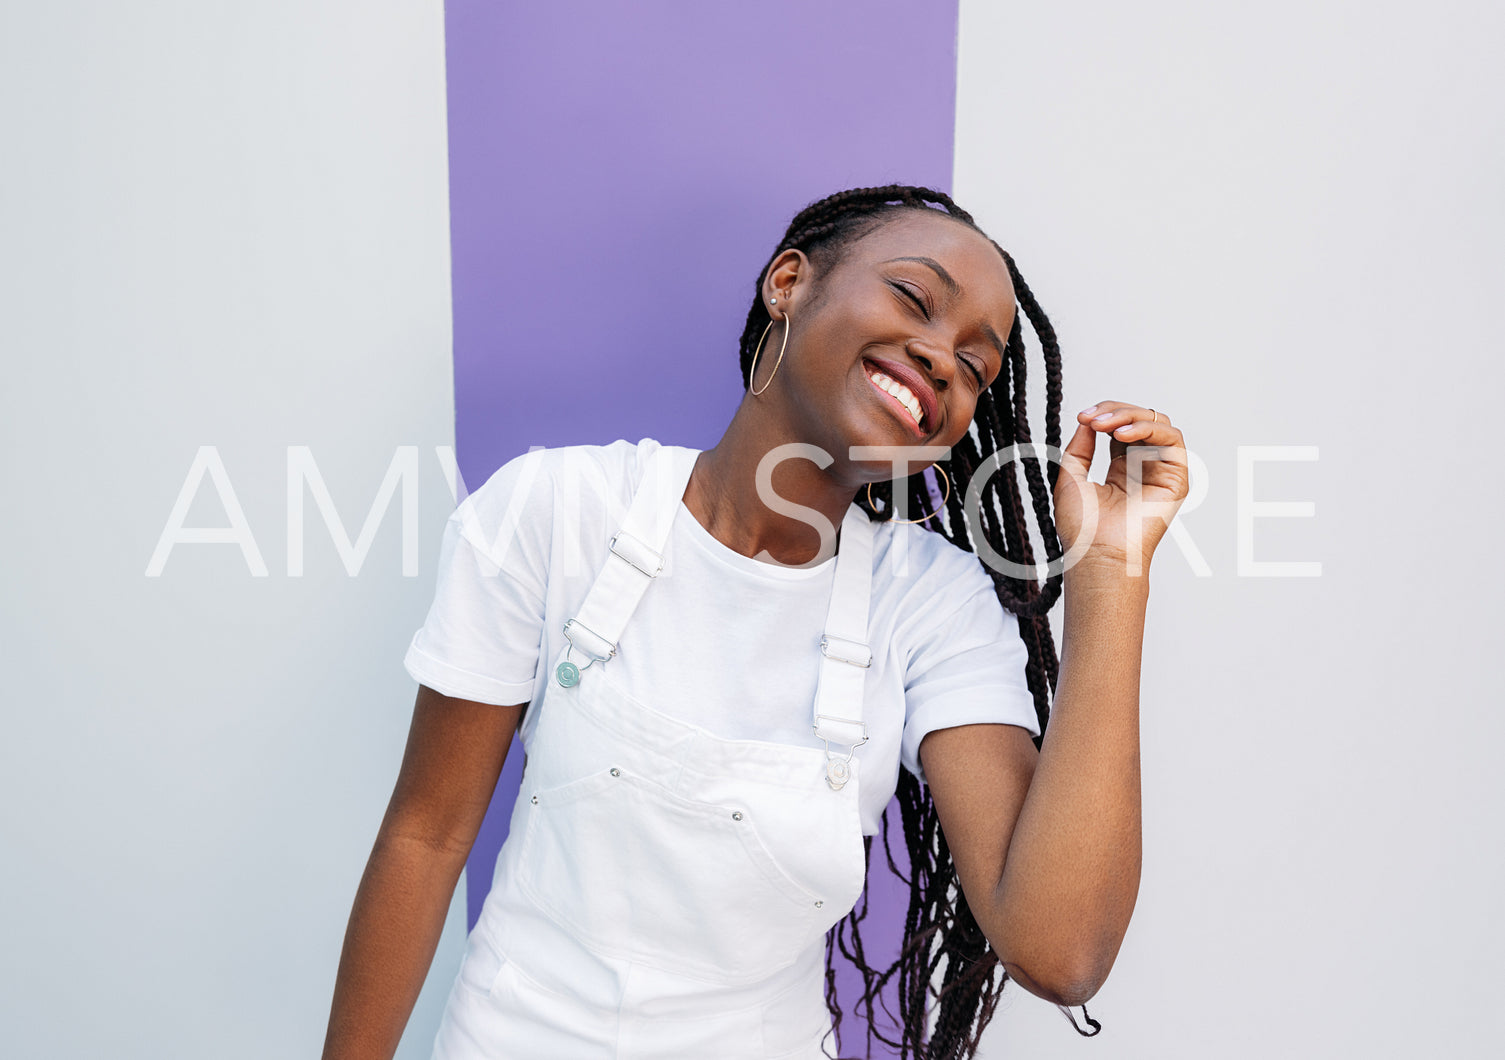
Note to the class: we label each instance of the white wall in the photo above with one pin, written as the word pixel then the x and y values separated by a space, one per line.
pixel 220 224
pixel 1281 223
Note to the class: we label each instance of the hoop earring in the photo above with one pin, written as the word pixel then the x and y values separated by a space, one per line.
pixel 946 497
pixel 753 368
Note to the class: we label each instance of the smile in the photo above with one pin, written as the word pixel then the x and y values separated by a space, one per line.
pixel 900 397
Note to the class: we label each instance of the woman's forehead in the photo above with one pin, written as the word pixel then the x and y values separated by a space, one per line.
pixel 963 253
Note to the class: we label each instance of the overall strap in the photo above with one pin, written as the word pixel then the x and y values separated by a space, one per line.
pixel 635 559
pixel 844 653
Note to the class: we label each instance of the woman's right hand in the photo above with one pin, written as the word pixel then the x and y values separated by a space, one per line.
pixel 454 755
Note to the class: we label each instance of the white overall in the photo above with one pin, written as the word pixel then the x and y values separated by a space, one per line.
pixel 664 892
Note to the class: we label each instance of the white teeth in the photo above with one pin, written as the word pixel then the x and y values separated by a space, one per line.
pixel 902 393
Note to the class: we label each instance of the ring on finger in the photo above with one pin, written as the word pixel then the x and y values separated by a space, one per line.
pixel 1157 417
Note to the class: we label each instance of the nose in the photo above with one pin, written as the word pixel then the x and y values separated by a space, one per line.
pixel 939 363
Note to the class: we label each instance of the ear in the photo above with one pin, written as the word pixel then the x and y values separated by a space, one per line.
pixel 789 275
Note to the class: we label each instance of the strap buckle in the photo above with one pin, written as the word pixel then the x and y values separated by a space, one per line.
pixel 845 721
pixel 839 767
pixel 636 553
pixel 595 656
pixel 848 651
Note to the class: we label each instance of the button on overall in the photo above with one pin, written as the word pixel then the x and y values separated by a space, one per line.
pixel 664 892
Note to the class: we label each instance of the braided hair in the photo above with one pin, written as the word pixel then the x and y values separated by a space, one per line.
pixel 941 935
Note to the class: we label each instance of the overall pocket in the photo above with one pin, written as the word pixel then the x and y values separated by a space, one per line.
pixel 640 873
pixel 481 965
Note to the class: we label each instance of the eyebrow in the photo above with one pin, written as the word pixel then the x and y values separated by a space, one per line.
pixel 940 270
pixel 987 329
pixel 954 288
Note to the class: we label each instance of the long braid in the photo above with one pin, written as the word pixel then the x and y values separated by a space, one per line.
pixel 941 935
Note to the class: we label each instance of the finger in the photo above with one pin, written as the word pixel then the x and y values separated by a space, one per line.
pixel 1077 456
pixel 1101 411
pixel 1112 415
pixel 1162 461
pixel 1145 429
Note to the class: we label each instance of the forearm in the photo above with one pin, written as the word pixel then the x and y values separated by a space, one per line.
pixel 1071 874
pixel 395 924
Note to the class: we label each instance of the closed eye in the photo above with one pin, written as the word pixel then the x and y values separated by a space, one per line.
pixel 907 293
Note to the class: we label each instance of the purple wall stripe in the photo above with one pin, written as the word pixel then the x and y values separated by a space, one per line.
pixel 618 174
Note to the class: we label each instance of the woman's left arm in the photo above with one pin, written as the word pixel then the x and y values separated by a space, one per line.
pixel 1047 846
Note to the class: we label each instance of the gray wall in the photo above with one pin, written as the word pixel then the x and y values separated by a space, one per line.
pixel 1281 223
pixel 223 224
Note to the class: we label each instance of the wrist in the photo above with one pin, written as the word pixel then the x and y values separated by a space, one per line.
pixel 1100 570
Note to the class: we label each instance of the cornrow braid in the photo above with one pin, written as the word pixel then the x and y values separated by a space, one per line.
pixel 941 936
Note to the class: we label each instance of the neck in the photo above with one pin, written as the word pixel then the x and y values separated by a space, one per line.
pixel 723 492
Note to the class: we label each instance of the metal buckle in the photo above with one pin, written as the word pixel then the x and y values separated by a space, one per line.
pixel 845 721
pixel 839 770
pixel 611 651
pixel 858 654
pixel 641 550
pixel 567 673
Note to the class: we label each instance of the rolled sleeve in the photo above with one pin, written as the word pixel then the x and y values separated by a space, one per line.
pixel 462 684
pixel 968 669
pixel 481 639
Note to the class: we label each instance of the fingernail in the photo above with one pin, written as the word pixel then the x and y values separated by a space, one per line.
pixel 1125 427
pixel 1104 416
pixel 1086 410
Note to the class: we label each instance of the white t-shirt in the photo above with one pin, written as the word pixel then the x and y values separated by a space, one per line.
pixel 720 640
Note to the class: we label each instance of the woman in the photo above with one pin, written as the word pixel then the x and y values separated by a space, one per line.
pixel 730 653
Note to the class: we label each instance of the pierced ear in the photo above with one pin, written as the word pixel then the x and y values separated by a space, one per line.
pixel 784 273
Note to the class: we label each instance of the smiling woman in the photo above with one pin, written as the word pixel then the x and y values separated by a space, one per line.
pixel 723 666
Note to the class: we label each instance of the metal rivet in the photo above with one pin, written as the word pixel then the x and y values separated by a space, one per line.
pixel 736 815
pixel 615 771
pixel 535 800
pixel 819 903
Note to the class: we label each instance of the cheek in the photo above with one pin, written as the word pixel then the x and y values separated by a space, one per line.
pixel 963 413
pixel 862 318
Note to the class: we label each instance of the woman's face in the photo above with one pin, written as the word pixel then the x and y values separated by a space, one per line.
pixel 921 305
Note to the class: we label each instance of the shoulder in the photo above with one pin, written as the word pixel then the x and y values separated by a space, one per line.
pixel 923 582
pixel 910 559
pixel 558 463
pixel 544 483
